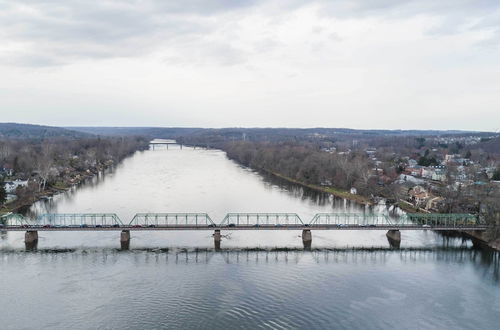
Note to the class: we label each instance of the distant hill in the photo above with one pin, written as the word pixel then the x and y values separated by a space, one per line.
pixel 152 132
pixel 27 131
pixel 260 133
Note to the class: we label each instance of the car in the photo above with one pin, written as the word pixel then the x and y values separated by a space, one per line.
pixel 25 226
pixel 212 225
pixel 2 225
pixel 116 225
pixel 278 225
pixel 98 226
pixel 47 226
pixel 83 225
pixel 426 226
pixel 136 226
pixel 256 225
pixel 231 225
pixel 306 225
pixel 372 225
pixel 151 226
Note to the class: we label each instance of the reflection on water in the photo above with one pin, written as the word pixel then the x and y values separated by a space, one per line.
pixel 245 288
pixel 258 279
pixel 487 262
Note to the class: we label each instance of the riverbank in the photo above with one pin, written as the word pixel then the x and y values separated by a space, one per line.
pixel 31 194
pixel 22 203
pixel 329 190
pixel 478 238
pixel 481 239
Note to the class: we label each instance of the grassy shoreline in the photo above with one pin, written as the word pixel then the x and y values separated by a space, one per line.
pixel 330 190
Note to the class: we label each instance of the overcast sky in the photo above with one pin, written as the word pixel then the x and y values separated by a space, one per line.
pixel 270 63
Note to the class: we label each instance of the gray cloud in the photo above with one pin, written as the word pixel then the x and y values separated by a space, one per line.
pixel 56 32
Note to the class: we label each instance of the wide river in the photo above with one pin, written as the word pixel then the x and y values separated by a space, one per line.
pixel 260 279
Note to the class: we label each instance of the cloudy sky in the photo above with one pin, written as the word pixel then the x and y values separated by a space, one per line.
pixel 297 63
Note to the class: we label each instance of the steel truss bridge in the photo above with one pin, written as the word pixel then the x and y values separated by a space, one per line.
pixel 237 221
pixel 241 221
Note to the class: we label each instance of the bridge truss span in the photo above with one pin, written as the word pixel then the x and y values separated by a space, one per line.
pixel 13 220
pixel 349 219
pixel 78 220
pixel 262 220
pixel 178 220
pixel 440 219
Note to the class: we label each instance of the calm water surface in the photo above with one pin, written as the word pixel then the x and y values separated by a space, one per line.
pixel 350 280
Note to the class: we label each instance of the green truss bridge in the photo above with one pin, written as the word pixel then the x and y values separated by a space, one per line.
pixel 237 221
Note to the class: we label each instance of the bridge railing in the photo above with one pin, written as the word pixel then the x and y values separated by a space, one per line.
pixel 352 219
pixel 261 219
pixel 438 219
pixel 242 220
pixel 77 219
pixel 13 220
pixel 172 219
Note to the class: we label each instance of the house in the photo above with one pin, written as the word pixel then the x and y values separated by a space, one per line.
pixel 418 195
pixel 439 175
pixel 436 173
pixel 11 186
pixel 412 163
pixel 404 178
pixel 414 170
pixel 7 170
pixel 427 172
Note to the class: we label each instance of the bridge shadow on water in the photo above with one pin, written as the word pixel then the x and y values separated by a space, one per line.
pixel 487 263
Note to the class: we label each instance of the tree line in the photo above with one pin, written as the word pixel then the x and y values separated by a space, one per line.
pixel 61 160
pixel 306 163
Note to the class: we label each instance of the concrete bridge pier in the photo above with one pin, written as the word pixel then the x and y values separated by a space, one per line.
pixel 217 239
pixel 306 238
pixel 125 239
pixel 31 240
pixel 394 238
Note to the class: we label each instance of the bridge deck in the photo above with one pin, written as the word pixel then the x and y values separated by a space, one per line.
pixel 243 227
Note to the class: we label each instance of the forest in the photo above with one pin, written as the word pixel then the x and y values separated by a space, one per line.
pixel 55 163
pixel 306 163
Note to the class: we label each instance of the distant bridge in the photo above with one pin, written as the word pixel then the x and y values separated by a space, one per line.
pixel 238 221
pixel 166 143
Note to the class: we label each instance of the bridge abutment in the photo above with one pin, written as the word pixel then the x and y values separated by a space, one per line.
pixel 31 239
pixel 217 239
pixel 394 238
pixel 306 238
pixel 125 239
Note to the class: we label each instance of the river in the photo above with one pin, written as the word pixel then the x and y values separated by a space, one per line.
pixel 260 279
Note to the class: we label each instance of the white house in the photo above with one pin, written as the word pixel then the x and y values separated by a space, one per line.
pixel 11 186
